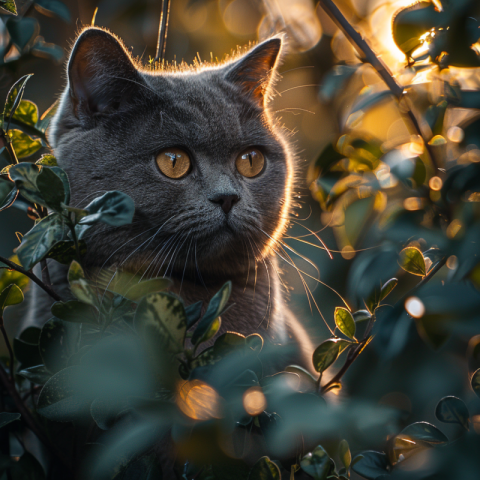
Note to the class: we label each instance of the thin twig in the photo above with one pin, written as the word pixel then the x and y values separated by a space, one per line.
pixel 9 347
pixel 29 419
pixel 355 350
pixel 367 53
pixel 32 277
pixel 162 31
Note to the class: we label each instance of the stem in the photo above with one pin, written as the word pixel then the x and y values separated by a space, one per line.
pixel 75 240
pixel 29 419
pixel 355 350
pixel 10 351
pixel 32 277
pixel 369 55
pixel 162 31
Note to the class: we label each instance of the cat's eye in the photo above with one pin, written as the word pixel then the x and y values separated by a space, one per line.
pixel 250 163
pixel 174 162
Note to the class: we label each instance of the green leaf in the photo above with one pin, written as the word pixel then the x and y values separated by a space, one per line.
pixel 27 468
pixel 14 97
pixel 51 188
pixel 345 454
pixel 23 144
pixel 40 239
pixel 368 100
pixel 388 288
pixel 26 353
pixel 6 418
pixel 193 312
pixel 412 261
pixel 79 286
pixel 211 332
pixel 75 311
pixel 8 194
pixel 327 352
pixel 47 160
pixel 215 308
pixel 344 322
pixel 23 32
pixel 44 121
pixel 228 342
pixel 140 290
pixel 307 380
pixel 476 382
pixel 371 465
pixel 335 80
pixel 53 345
pixel 361 315
pixel 64 252
pixel 265 469
pixel 425 432
pixel 38 374
pixel 9 6
pixel 453 410
pixel 50 51
pixel 12 295
pixel 254 342
pixel 318 464
pixel 53 7
pixel 113 208
pixel 161 318
pixel 26 113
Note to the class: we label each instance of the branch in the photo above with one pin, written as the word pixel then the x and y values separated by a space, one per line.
pixel 162 31
pixel 32 277
pixel 9 347
pixel 369 55
pixel 355 350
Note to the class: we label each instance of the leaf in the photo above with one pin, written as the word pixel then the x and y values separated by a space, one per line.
pixel 327 352
pixel 361 315
pixel 23 32
pixel 26 113
pixel 75 311
pixel 140 290
pixel 113 208
pixel 318 464
pixel 9 6
pixel 425 432
pixel 307 380
pixel 344 322
pixel 26 353
pixel 79 286
pixel 8 194
pixel 12 295
pixel 64 252
pixel 388 288
pixel 215 308
pixel 453 410
pixel 335 81
pixel 371 465
pixel 412 261
pixel 193 312
pixel 54 6
pixel 38 374
pixel 104 412
pixel 8 276
pixel 161 318
pixel 40 239
pixel 368 100
pixel 47 160
pixel 211 332
pixel 345 454
pixel 254 342
pixel 476 382
pixel 44 121
pixel 264 469
pixel 23 144
pixel 6 418
pixel 27 468
pixel 50 51
pixel 14 97
pixel 53 345
pixel 51 188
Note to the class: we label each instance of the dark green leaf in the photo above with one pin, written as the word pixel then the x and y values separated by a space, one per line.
pixel 51 188
pixel 412 261
pixel 344 322
pixel 215 308
pixel 103 411
pixel 143 468
pixel 113 208
pixel 387 288
pixel 361 315
pixel 345 454
pixel 318 464
pixel 50 51
pixel 425 432
pixel 64 252
pixel 8 194
pixel 31 335
pixel 265 469
pixel 54 345
pixel 44 121
pixel 26 353
pixel 9 6
pixel 327 352
pixel 27 468
pixel 193 312
pixel 23 32
pixel 140 290
pixel 53 6
pixel 40 239
pixel 23 144
pixel 161 318
pixel 453 410
pixel 38 374
pixel 75 311
pixel 6 418
pixel 14 97
pixel 371 465
pixel 12 295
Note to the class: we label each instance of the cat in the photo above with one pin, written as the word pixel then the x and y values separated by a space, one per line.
pixel 208 167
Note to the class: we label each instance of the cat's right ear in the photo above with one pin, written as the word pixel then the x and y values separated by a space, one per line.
pixel 101 74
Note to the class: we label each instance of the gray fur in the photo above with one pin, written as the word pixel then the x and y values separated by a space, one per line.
pixel 113 119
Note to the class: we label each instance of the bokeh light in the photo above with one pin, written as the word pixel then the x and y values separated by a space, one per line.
pixel 254 401
pixel 415 307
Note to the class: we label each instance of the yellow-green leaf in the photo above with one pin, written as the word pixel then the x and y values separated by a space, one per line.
pixel 23 144
pixel 412 261
pixel 345 454
pixel 345 322
pixel 327 352
pixel 27 113
pixel 12 295
pixel 47 160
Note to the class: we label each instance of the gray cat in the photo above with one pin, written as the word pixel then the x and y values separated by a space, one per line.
pixel 206 164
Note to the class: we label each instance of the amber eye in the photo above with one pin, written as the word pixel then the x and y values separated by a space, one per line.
pixel 174 162
pixel 250 163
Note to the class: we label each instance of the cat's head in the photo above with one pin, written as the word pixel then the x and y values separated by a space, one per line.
pixel 197 150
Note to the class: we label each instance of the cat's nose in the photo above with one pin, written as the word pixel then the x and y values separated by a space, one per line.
pixel 225 201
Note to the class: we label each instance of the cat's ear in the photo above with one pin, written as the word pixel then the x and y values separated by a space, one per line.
pixel 254 72
pixel 101 74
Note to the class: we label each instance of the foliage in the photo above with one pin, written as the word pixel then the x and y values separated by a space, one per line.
pixel 127 366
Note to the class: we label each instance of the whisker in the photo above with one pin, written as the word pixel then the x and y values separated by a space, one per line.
pixel 298 86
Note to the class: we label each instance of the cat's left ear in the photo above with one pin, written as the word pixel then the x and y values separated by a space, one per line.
pixel 254 72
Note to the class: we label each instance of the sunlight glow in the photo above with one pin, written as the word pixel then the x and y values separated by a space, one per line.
pixel 415 307
pixel 254 401
pixel 199 401
pixel 435 183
